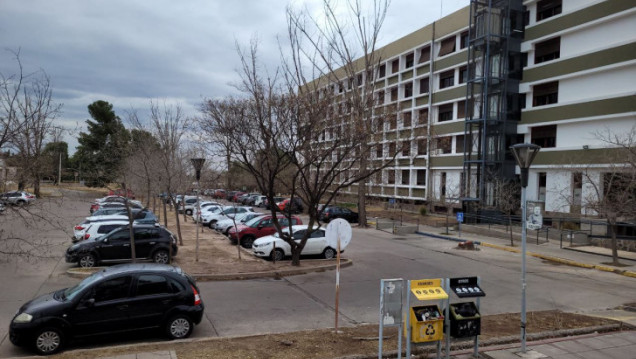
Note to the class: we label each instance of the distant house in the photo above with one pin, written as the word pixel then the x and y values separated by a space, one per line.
pixel 8 174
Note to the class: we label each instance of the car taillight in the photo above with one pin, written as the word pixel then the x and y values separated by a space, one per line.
pixel 87 236
pixel 197 298
pixel 29 197
pixel 79 228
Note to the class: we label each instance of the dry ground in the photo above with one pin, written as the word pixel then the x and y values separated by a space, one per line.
pixel 218 256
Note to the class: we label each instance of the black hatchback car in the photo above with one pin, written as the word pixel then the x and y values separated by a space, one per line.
pixel 332 212
pixel 151 242
pixel 121 298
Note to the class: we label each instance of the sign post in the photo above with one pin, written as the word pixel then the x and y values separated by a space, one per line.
pixel 338 236
pixel 460 219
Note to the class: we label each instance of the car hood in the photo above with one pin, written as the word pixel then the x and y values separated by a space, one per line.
pixel 239 227
pixel 85 244
pixel 41 305
pixel 265 239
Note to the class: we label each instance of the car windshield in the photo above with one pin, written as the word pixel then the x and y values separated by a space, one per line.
pixel 253 222
pixel 70 293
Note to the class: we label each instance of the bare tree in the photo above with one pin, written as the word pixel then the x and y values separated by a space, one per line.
pixel 612 191
pixel 11 87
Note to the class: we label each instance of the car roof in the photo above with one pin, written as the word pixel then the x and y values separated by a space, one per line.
pixel 303 226
pixel 118 221
pixel 140 267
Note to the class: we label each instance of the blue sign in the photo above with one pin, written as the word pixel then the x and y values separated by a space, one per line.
pixel 460 217
pixel 391 200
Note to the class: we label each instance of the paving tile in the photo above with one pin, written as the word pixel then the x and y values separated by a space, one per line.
pixel 594 343
pixel 622 352
pixel 614 340
pixel 627 335
pixel 163 354
pixel 549 349
pixel 571 346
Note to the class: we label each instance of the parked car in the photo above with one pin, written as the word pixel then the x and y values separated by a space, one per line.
pixel 113 201
pixel 289 205
pixel 225 224
pixel 257 228
pixel 18 198
pixel 228 212
pixel 120 192
pixel 194 208
pixel 98 229
pixel 2 207
pixel 151 242
pixel 277 200
pixel 332 212
pixel 117 299
pixel 235 199
pixel 259 201
pixel 219 194
pixel 276 248
pixel 140 216
pixel 187 204
pixel 205 214
pixel 229 195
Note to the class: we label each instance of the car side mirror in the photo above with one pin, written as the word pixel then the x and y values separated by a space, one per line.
pixel 89 302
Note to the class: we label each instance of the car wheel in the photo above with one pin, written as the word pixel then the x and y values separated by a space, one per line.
pixel 87 260
pixel 247 241
pixel 48 341
pixel 179 327
pixel 161 256
pixel 189 212
pixel 277 255
pixel 21 203
pixel 329 253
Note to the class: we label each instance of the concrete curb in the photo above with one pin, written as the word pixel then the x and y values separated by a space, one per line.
pixel 565 261
pixel 83 273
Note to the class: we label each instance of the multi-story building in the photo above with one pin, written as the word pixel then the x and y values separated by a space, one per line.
pixel 500 72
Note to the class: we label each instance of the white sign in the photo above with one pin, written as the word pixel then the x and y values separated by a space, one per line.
pixel 535 220
pixel 338 228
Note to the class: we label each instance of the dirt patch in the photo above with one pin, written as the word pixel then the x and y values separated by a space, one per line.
pixel 361 340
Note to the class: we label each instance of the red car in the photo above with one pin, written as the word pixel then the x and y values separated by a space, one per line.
pixel 257 228
pixel 236 196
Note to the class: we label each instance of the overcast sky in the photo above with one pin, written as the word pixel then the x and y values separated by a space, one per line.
pixel 128 52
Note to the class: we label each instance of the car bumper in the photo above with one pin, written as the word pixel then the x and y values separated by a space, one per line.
pixel 22 334
pixel 71 257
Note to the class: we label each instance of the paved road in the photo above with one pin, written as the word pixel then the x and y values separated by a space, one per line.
pixel 307 301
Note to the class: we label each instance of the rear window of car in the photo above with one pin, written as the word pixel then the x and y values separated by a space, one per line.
pixel 153 284
pixel 107 228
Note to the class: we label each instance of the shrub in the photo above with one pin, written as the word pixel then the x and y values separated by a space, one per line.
pixel 423 211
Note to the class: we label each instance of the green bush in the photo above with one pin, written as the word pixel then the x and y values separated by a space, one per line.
pixel 570 226
pixel 423 211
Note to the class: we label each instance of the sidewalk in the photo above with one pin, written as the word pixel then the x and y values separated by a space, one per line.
pixel 585 256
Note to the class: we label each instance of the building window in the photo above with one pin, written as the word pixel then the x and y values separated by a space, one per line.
pixel 545 94
pixel 379 151
pixel 391 176
pixel 378 123
pixel 425 54
pixel 526 18
pixel 393 122
pixel 392 149
pixel 395 66
pixel 410 59
pixel 382 71
pixel 577 191
pixel 459 144
pixel 421 146
pixel 422 116
pixel 544 136
pixel 408 90
pixel 548 8
pixel 445 113
pixel 380 98
pixel 463 74
pixel 444 144
pixel 461 109
pixel 394 94
pixel 406 119
pixel 424 85
pixel 447 46
pixel 406 148
pixel 406 180
pixel 421 178
pixel 547 50
pixel 447 79
pixel 442 184
pixel 463 40
pixel 542 184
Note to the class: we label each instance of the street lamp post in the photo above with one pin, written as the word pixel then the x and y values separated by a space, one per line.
pixel 197 163
pixel 524 155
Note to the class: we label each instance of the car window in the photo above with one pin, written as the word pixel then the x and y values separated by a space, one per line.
pixel 318 233
pixel 283 221
pixel 146 233
pixel 151 284
pixel 299 234
pixel 267 223
pixel 295 221
pixel 112 289
pixel 107 228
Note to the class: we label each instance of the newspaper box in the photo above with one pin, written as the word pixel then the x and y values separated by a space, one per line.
pixel 427 324
pixel 465 320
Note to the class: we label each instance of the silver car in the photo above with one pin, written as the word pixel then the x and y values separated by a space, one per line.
pixel 18 198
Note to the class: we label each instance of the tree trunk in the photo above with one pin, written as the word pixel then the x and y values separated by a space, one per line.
pixel 36 188
pixel 131 230
pixel 614 244
pixel 165 212
pixel 362 195
pixel 148 194
pixel 176 215
pixel 512 243
pixel 296 256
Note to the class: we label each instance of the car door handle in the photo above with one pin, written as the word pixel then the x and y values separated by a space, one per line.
pixel 126 245
pixel 122 307
pixel 166 301
pixel 153 242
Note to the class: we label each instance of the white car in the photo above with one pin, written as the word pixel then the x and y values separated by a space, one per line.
pixel 227 212
pixel 80 229
pixel 206 212
pixel 275 248
pixel 98 229
pixel 195 208
pixel 260 201
pixel 224 225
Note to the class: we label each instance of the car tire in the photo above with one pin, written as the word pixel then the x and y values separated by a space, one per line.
pixel 188 212
pixel 247 241
pixel 21 203
pixel 277 255
pixel 179 327
pixel 329 253
pixel 48 341
pixel 161 256
pixel 87 260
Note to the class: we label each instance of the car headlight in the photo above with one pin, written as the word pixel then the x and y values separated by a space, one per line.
pixel 23 318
